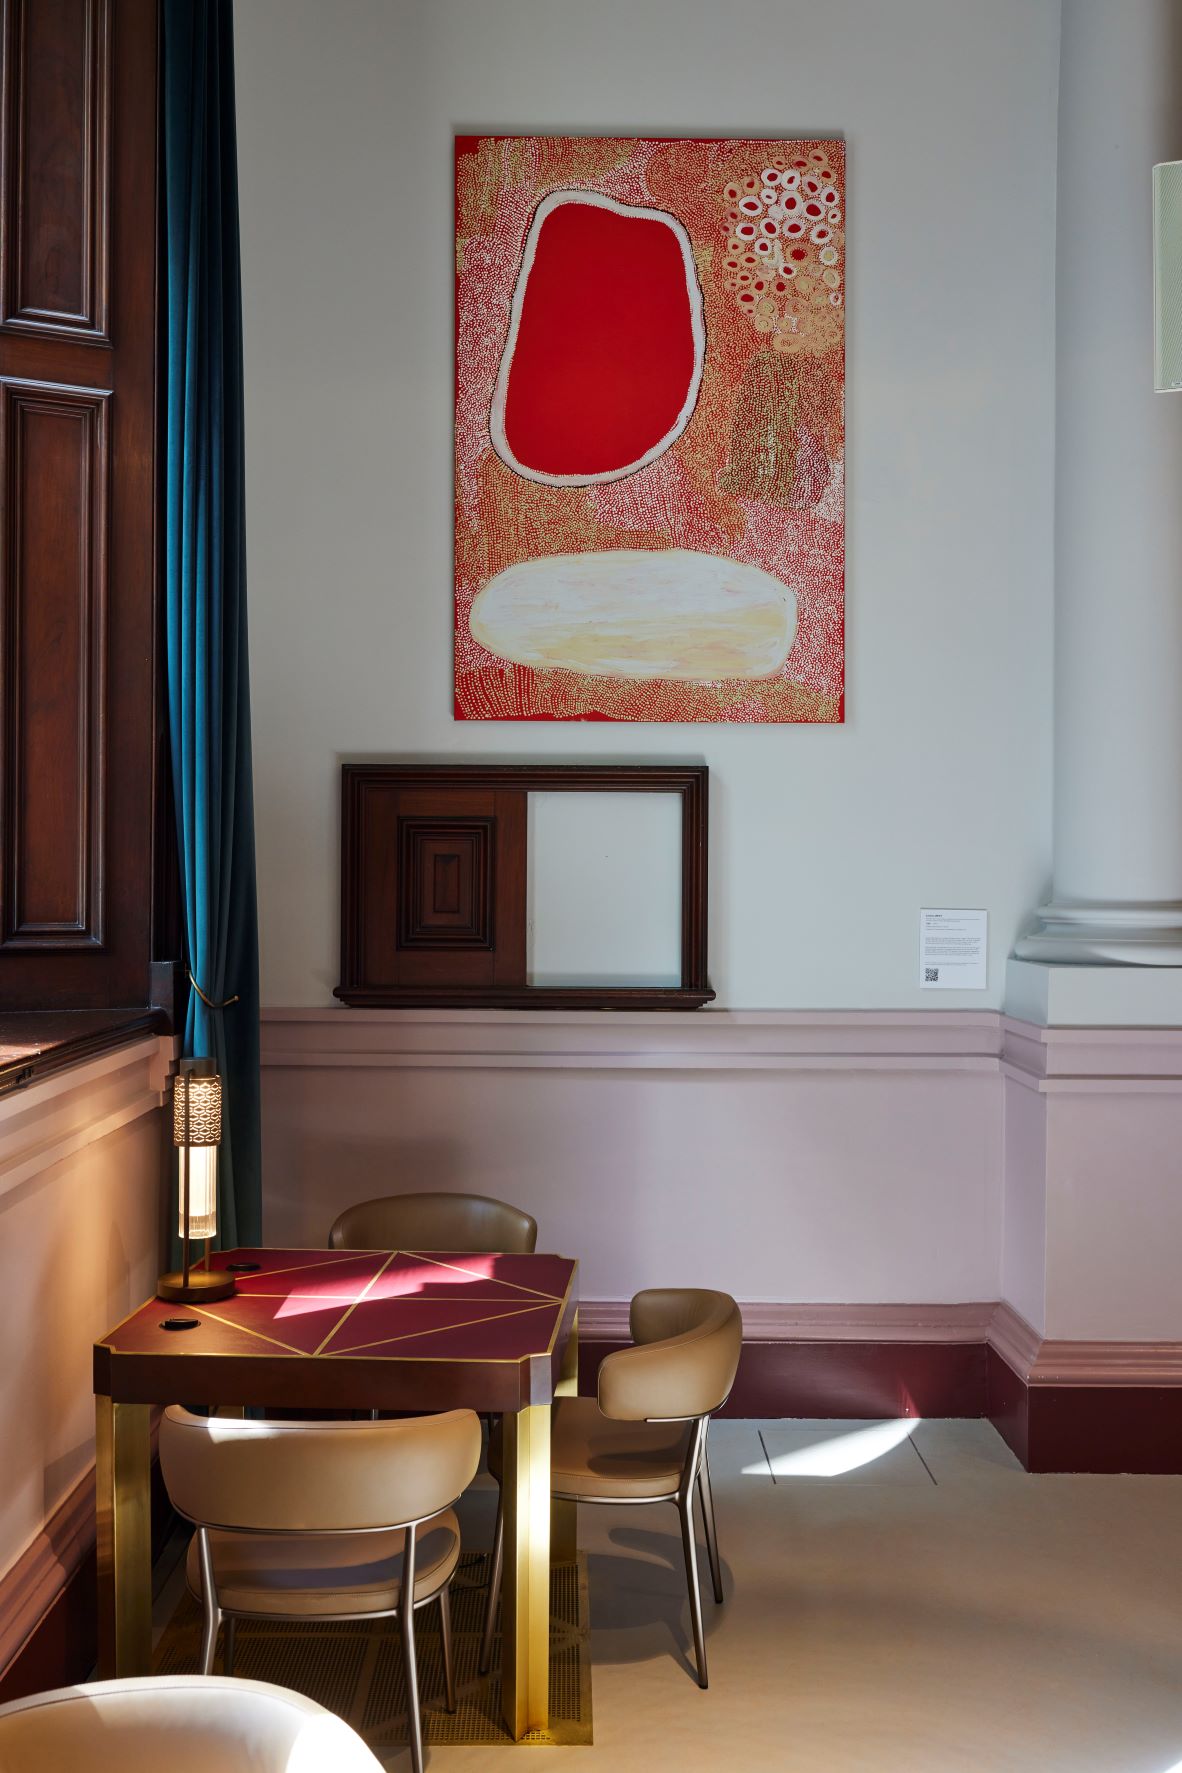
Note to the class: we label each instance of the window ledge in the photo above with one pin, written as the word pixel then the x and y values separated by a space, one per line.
pixel 36 1043
pixel 88 1096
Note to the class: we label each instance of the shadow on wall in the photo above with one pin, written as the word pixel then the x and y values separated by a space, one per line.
pixel 343 1171
pixel 594 1165
pixel 59 1477
pixel 119 1299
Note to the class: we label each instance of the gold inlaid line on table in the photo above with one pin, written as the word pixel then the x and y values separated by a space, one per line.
pixel 496 1317
pixel 265 1273
pixel 403 1299
pixel 204 1311
pixel 372 1282
pixel 217 1354
pixel 518 1286
pixel 558 1321
pixel 107 1340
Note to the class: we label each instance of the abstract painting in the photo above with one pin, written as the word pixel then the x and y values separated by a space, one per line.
pixel 649 429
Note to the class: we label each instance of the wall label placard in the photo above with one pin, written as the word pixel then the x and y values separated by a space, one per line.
pixel 953 950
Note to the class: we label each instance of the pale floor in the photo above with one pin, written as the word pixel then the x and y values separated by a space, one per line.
pixel 900 1598
pixel 932 1609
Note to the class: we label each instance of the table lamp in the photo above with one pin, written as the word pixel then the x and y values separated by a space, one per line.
pixel 196 1132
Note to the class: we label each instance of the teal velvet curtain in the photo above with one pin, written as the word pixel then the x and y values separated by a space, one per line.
pixel 205 549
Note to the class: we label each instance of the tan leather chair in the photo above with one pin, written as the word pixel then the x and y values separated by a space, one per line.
pixel 474 1223
pixel 644 1439
pixel 185 1723
pixel 322 1520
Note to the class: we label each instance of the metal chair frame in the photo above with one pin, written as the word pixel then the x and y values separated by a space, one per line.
pixel 214 1614
pixel 695 1474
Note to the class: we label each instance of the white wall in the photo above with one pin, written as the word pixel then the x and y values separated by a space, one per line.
pixel 826 841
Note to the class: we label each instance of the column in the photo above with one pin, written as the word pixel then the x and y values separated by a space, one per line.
pixel 1117 895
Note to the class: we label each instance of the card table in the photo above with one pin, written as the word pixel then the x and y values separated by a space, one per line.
pixel 407 1330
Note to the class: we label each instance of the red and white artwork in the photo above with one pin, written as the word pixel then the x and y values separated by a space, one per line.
pixel 649 429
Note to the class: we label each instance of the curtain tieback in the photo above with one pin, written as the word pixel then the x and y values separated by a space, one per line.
pixel 208 1001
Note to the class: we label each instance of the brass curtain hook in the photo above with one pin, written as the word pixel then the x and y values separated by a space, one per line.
pixel 208 1001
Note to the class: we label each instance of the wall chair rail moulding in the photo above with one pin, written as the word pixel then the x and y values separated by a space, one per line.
pixel 649 429
pixel 434 870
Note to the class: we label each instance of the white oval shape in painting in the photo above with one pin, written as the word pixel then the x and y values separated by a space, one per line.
pixel 567 362
pixel 634 613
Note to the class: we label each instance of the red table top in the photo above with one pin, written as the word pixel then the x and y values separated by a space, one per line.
pixel 332 1306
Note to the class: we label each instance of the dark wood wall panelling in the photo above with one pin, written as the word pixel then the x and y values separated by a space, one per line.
pixel 78 641
pixel 433 884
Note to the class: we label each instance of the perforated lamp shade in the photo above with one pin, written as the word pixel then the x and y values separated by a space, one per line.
pixel 197 1123
pixel 196 1133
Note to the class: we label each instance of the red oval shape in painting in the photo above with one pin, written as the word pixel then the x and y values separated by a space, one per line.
pixel 603 360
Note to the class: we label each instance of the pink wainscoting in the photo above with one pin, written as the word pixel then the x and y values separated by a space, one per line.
pixel 1092 1239
pixel 82 1160
pixel 781 1156
pixel 827 1157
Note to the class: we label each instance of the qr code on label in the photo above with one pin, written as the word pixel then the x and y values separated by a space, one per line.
pixel 931 975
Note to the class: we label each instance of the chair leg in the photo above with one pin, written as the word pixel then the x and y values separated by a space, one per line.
pixel 407 1609
pixel 230 1630
pixel 708 1521
pixel 494 1587
pixel 209 1640
pixel 449 1666
pixel 209 1602
pixel 685 1508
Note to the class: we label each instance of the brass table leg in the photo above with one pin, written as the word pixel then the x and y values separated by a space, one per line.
pixel 564 1516
pixel 124 1533
pixel 525 1585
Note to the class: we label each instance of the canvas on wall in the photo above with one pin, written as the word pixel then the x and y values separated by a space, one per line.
pixel 649 429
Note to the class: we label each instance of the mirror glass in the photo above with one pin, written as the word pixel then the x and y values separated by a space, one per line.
pixel 603 902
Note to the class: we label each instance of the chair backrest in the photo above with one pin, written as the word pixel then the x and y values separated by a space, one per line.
pixel 316 1477
pixel 185 1723
pixel 473 1223
pixel 685 1354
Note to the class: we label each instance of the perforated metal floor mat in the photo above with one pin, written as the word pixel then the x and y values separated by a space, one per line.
pixel 355 1668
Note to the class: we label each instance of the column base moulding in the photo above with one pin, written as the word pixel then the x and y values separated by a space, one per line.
pixel 1088 933
pixel 49 1598
pixel 1061 1406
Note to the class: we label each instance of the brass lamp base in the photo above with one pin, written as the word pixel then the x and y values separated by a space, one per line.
pixel 199 1289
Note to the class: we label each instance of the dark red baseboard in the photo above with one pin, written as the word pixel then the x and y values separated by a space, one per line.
pixel 1101 1429
pixel 1087 1428
pixel 63 1647
pixel 1007 1405
pixel 844 1379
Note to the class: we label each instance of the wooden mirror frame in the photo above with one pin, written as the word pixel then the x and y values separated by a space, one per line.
pixel 433 885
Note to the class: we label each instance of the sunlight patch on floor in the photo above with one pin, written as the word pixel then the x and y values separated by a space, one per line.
pixel 833 1454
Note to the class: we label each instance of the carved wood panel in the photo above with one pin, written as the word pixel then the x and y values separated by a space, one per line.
pixel 81 777
pixel 439 885
pixel 434 868
pixel 54 476
pixel 56 132
pixel 446 869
